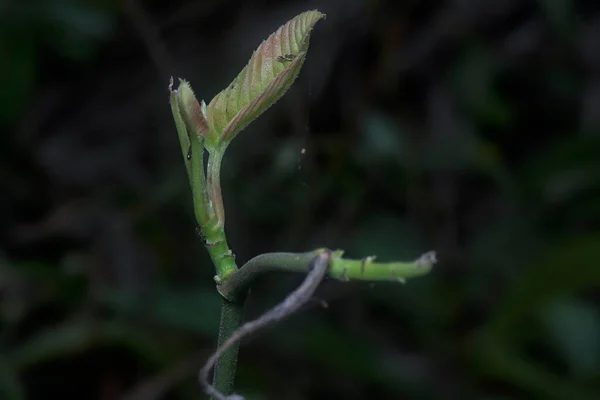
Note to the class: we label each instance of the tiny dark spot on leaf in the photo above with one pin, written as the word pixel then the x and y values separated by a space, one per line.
pixel 287 57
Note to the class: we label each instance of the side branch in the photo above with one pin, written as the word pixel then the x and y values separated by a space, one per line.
pixel 239 281
pixel 339 268
pixel 291 304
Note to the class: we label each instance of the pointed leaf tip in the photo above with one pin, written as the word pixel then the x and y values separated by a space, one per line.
pixel 191 110
pixel 272 69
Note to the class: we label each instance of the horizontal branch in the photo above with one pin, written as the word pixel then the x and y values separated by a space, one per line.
pixel 342 269
pixel 318 268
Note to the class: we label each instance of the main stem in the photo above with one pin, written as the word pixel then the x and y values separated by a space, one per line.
pixel 231 311
pixel 226 365
pixel 208 209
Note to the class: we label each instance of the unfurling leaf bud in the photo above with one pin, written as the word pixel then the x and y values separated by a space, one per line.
pixel 192 112
pixel 272 69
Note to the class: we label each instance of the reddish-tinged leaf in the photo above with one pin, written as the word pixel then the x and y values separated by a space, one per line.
pixel 191 110
pixel 272 69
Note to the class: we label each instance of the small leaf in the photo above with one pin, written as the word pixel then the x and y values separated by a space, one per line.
pixel 272 69
pixel 192 112
pixel 180 124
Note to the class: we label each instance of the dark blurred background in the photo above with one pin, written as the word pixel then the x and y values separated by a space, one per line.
pixel 469 127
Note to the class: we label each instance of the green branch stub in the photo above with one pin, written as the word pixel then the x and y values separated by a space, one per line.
pixel 221 255
pixel 342 269
pixel 367 269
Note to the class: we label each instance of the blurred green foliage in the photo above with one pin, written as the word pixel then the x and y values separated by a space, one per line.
pixel 69 29
pixel 468 127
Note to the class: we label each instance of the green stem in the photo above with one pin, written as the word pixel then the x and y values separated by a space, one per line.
pixel 238 283
pixel 206 192
pixel 218 249
pixel 192 149
pixel 292 303
pixel 210 215
pixel 198 182
pixel 339 268
pixel 225 367
pixel 214 230
pixel 367 269
pixel 213 171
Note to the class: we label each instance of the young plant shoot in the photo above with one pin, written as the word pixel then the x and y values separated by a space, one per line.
pixel 270 72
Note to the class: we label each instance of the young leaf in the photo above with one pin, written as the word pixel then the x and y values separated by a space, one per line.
pixel 272 69
pixel 191 110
